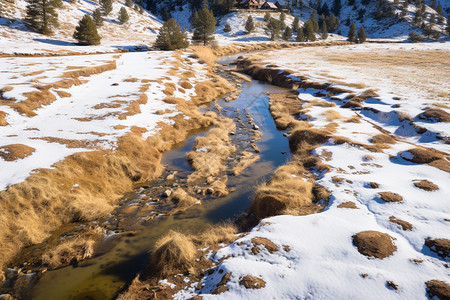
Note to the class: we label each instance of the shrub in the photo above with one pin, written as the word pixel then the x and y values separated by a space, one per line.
pixel 170 36
pixel 415 38
pixel 86 32
pixel 123 15
pixel 227 28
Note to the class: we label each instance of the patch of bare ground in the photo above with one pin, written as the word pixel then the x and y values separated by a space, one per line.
pixel 435 114
pixel 348 204
pixel 252 282
pixel 46 199
pixel 432 157
pixel 425 185
pixel 440 246
pixel 390 197
pixel 263 243
pixel 3 121
pixel 404 224
pixel 438 289
pixel 383 139
pixel 15 151
pixel 374 244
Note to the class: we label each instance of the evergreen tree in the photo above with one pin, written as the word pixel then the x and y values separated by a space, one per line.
pixel 266 16
pixel 352 33
pixel 273 29
pixel 432 19
pixel 141 10
pixel 123 15
pixel 249 25
pixel 324 31
pixel 136 7
pixel 170 37
pixel 447 29
pixel 332 23
pixel 296 24
pixel 41 15
pixel 107 6
pixel 86 32
pixel 336 8
pixel 129 3
pixel 227 28
pixel 287 34
pixel 98 18
pixel 300 36
pixel 309 31
pixel 362 35
pixel 204 25
pixel 314 22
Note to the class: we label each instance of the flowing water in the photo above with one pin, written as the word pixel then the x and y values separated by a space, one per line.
pixel 104 275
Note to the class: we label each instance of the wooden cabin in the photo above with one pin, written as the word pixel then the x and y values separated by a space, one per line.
pixel 269 5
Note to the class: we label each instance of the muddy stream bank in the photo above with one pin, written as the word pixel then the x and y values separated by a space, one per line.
pixel 144 215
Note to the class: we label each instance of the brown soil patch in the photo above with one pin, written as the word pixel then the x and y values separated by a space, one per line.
pixel 383 139
pixel 348 204
pixel 435 114
pixel 421 155
pixel 15 151
pixel 222 285
pixel 390 197
pixel 3 119
pixel 425 185
pixel 374 185
pixel 441 164
pixel 440 246
pixel 266 243
pixel 374 244
pixel 251 282
pixel 131 80
pixel 439 289
pixel 404 224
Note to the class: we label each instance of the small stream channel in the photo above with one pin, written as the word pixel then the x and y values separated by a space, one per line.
pixel 104 275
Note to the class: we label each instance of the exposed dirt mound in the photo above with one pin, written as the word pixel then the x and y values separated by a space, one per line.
pixel 420 155
pixel 251 282
pixel 310 136
pixel 435 114
pixel 439 289
pixel 425 185
pixel 222 285
pixel 374 244
pixel 405 225
pixel 390 197
pixel 15 151
pixel 266 243
pixel 383 139
pixel 348 204
pixel 174 252
pixel 440 246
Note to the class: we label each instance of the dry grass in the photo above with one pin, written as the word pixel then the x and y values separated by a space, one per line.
pixel 15 151
pixel 63 94
pixel 332 115
pixel 204 55
pixel 212 89
pixel 182 198
pixel 68 252
pixel 220 233
pixel 246 160
pixel 437 114
pixel 173 253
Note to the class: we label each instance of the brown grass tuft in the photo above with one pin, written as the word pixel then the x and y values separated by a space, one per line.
pixel 182 198
pixel 332 115
pixel 265 243
pixel 348 204
pixel 220 233
pixel 252 282
pixel 438 289
pixel 310 136
pixel 436 114
pixel 374 244
pixel 405 225
pixel 421 155
pixel 425 185
pixel 63 94
pixel 204 55
pixel 390 197
pixel 68 252
pixel 15 151
pixel 439 246
pixel 3 121
pixel 383 139
pixel 173 253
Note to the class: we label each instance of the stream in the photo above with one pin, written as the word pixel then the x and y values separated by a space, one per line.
pixel 111 270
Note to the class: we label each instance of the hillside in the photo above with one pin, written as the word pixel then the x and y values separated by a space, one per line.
pixel 140 30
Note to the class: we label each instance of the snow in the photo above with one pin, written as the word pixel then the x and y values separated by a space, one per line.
pixel 78 117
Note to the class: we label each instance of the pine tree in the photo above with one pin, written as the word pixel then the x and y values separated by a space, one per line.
pixel 324 31
pixel 352 33
pixel 287 34
pixel 314 22
pixel 273 29
pixel 309 31
pixel 86 32
pixel 204 25
pixel 267 16
pixel 300 36
pixel 296 24
pixel 227 28
pixel 136 8
pixel 97 17
pixel 123 15
pixel 170 36
pixel 129 3
pixel 41 15
pixel 141 10
pixel 107 6
pixel 362 35
pixel 249 25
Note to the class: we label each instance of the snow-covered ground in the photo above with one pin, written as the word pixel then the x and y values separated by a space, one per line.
pixel 89 117
pixel 316 258
pixel 15 37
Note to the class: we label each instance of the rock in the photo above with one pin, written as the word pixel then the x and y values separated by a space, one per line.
pixel 255 127
pixel 392 285
pixel 115 84
pixel 439 289
pixel 167 193
pixel 374 244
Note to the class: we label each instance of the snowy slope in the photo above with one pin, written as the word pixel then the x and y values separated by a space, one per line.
pixel 15 37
